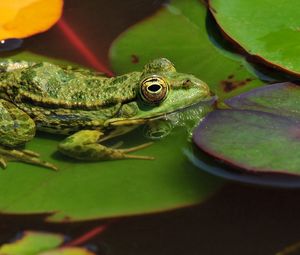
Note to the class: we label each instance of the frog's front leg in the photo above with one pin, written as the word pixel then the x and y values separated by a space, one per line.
pixel 85 145
pixel 17 128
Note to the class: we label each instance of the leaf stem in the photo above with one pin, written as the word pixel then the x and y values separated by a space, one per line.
pixel 88 235
pixel 76 41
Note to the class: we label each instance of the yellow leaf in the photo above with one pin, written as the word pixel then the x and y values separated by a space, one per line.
pixel 23 18
pixel 68 251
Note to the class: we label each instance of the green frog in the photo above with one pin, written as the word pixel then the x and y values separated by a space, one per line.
pixel 87 106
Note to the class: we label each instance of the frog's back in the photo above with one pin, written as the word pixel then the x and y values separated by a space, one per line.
pixel 50 85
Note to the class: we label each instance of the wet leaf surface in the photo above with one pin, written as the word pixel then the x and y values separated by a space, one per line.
pixel 68 251
pixel 266 30
pixel 260 133
pixel 281 99
pixel 32 243
pixel 41 243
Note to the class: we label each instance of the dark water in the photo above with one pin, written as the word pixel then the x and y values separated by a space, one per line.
pixel 240 219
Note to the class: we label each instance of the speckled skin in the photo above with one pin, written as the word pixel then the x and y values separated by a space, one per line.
pixel 64 100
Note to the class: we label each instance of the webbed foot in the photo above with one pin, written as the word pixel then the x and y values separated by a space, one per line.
pixel 27 156
pixel 85 145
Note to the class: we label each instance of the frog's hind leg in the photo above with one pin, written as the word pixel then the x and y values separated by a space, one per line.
pixel 85 145
pixel 16 128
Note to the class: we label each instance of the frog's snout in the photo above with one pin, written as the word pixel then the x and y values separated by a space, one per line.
pixel 203 87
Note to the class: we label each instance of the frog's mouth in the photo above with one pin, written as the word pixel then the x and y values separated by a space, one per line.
pixel 139 120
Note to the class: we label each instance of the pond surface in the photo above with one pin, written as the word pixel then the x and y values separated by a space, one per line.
pixel 238 219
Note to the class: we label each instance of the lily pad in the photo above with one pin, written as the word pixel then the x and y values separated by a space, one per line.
pixel 267 30
pixel 178 32
pixel 68 251
pixel 260 133
pixel 41 243
pixel 82 191
pixel 281 99
pixel 32 243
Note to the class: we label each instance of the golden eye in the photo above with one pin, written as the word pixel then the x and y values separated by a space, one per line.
pixel 154 89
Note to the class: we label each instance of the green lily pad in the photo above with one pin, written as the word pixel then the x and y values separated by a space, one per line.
pixel 68 251
pixel 260 133
pixel 82 191
pixel 178 32
pixel 267 30
pixel 32 243
pixel 41 243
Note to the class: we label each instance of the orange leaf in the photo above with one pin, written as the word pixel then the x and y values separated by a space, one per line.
pixel 22 18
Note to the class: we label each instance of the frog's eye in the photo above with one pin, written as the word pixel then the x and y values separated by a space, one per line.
pixel 154 89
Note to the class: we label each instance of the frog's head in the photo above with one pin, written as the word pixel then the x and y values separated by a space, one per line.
pixel 163 90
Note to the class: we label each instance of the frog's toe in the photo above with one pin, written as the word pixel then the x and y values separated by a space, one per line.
pixel 124 152
pixel 3 163
pixel 31 153
pixel 26 156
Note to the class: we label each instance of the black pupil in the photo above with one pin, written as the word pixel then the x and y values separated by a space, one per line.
pixel 154 87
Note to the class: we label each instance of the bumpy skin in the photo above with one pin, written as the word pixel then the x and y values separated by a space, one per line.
pixel 65 100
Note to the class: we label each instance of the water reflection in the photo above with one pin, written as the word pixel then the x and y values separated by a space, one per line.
pixel 207 164
pixel 185 119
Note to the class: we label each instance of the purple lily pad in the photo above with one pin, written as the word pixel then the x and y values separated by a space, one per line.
pixel 259 134
pixel 251 140
pixel 281 99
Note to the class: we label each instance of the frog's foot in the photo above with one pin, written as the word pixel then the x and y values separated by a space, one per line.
pixel 85 145
pixel 7 154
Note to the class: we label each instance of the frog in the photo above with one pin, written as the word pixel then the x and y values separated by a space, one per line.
pixel 87 107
